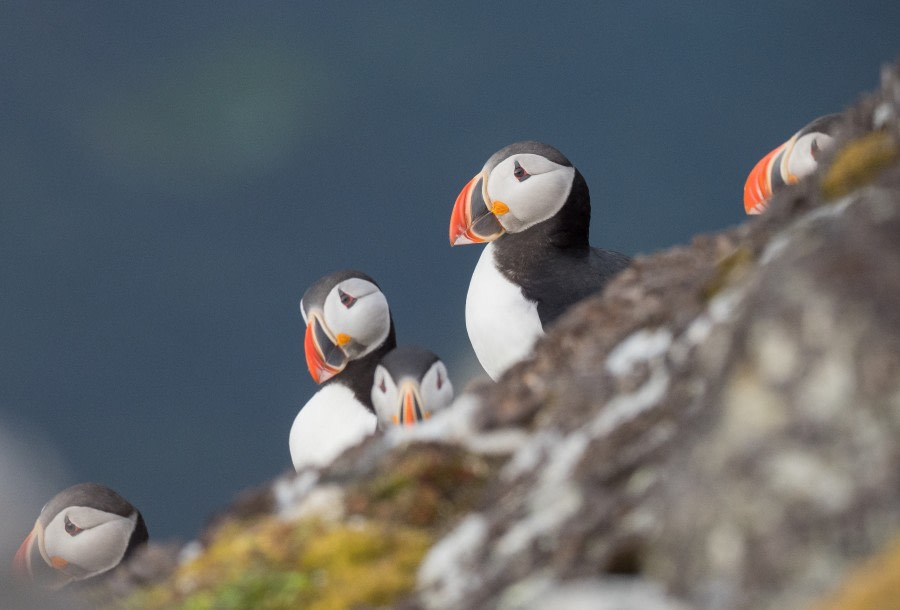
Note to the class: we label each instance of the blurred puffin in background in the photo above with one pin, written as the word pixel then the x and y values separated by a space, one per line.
pixel 84 531
pixel 788 163
pixel 410 385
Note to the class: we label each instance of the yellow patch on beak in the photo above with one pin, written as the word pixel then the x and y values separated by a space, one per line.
pixel 343 339
pixel 58 562
pixel 499 208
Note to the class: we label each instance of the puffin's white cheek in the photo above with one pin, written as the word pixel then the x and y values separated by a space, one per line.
pixel 802 162
pixel 434 397
pixel 384 401
pixel 533 200
pixel 369 321
pixel 548 192
pixel 93 550
pixel 445 395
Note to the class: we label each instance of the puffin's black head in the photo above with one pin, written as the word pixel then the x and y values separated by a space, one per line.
pixel 521 185
pixel 347 318
pixel 410 384
pixel 788 163
pixel 83 531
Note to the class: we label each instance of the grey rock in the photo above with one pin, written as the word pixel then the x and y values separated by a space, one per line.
pixel 722 421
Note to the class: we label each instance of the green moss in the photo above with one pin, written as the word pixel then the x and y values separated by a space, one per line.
pixel 367 565
pixel 370 560
pixel 425 486
pixel 262 590
pixel 390 486
pixel 239 548
pixel 271 564
pixel 728 269
pixel 858 163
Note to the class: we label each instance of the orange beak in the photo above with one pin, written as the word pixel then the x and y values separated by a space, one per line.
pixel 411 411
pixel 758 188
pixel 471 221
pixel 324 357
pixel 22 560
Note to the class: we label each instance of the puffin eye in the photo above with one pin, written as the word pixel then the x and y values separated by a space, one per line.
pixel 382 386
pixel 440 380
pixel 814 149
pixel 520 173
pixel 72 529
pixel 346 300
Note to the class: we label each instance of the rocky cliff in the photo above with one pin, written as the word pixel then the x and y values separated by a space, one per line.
pixel 718 429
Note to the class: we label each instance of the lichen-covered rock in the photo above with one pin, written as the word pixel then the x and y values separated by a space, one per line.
pixel 723 420
pixel 718 429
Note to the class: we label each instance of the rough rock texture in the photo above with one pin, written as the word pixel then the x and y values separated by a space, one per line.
pixel 717 430
pixel 723 420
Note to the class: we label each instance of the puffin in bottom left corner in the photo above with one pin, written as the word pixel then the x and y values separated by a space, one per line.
pixel 84 531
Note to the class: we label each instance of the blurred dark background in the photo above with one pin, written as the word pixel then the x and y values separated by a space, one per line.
pixel 174 175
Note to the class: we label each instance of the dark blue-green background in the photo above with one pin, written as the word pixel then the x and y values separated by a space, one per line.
pixel 174 174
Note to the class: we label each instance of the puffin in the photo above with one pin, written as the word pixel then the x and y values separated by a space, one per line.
pixel 82 532
pixel 788 163
pixel 534 208
pixel 349 329
pixel 410 385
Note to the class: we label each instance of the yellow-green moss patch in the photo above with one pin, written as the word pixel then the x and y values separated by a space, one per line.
pixel 858 163
pixel 368 565
pixel 272 564
pixel 727 272
pixel 424 486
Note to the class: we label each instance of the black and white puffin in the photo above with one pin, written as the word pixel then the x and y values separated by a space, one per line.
pixel 348 331
pixel 536 205
pixel 789 162
pixel 84 531
pixel 410 385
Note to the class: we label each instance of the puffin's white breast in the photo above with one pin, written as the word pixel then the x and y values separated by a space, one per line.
pixel 333 420
pixel 502 324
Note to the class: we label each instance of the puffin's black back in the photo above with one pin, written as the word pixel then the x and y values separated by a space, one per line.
pixel 553 261
pixel 358 374
pixel 139 536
